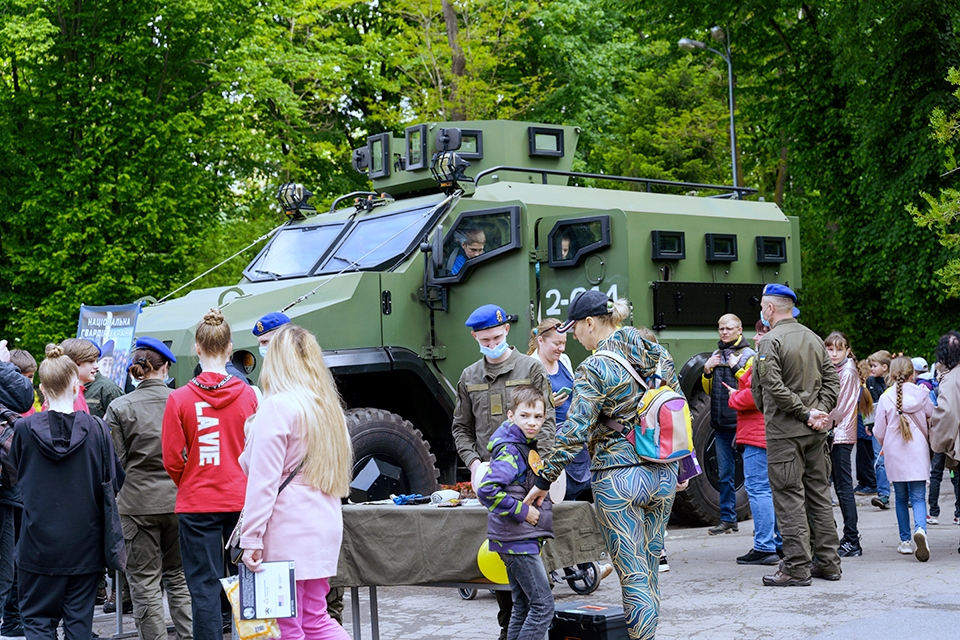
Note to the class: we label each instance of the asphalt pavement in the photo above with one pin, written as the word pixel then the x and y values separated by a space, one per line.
pixel 707 595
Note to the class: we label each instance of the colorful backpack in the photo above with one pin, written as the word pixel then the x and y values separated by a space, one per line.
pixel 665 432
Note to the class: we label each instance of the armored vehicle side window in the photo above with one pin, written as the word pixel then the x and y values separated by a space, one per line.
pixel 293 252
pixel 478 236
pixel 378 243
pixel 571 240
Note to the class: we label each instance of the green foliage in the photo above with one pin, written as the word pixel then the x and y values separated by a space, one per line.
pixel 943 212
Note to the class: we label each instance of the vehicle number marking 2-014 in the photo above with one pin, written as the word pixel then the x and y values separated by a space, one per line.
pixel 559 300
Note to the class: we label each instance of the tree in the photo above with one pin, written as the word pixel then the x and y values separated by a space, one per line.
pixel 944 211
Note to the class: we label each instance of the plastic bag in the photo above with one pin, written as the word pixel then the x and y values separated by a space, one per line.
pixel 248 629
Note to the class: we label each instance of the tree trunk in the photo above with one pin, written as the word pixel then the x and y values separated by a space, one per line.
pixel 781 172
pixel 458 66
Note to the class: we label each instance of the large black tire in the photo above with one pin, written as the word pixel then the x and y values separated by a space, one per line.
pixel 388 437
pixel 700 504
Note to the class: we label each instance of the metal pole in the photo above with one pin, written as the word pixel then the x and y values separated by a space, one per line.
pixel 733 129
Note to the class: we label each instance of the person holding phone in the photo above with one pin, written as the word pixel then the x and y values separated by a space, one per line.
pixel 549 347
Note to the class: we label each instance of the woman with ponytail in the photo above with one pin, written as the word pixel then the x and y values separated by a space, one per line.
pixel 59 458
pixel 901 426
pixel 202 439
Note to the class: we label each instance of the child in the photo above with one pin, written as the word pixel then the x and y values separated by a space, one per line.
pixel 843 419
pixel 866 458
pixel 28 367
pixel 876 384
pixel 516 531
pixel 901 427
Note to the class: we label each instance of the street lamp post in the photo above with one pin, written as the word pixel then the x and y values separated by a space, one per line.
pixel 720 36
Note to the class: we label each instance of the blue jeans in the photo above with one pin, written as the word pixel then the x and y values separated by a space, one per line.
pixel 727 467
pixel 883 485
pixel 766 536
pixel 532 599
pixel 915 492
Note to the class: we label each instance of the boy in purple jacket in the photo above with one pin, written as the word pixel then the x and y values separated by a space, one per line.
pixel 515 530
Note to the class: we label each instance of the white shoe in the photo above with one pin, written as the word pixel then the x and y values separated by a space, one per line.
pixel 664 565
pixel 905 548
pixel 920 539
pixel 932 520
pixel 956 521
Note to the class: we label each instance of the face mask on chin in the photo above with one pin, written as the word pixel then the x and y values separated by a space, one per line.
pixel 763 319
pixel 495 352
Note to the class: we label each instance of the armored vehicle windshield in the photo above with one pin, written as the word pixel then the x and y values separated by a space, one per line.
pixel 375 243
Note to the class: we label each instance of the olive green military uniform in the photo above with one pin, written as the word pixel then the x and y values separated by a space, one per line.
pixel 146 503
pixel 483 398
pixel 793 376
pixel 100 393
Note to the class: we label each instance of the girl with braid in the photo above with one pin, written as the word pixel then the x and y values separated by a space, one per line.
pixel 901 426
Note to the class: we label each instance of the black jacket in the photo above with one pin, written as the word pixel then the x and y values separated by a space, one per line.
pixel 59 463
pixel 16 391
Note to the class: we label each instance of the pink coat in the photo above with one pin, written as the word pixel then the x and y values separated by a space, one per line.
pixel 906 461
pixel 844 414
pixel 302 524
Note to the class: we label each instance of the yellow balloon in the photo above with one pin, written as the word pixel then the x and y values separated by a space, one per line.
pixel 491 565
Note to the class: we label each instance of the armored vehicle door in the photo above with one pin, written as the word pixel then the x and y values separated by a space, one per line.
pixel 482 263
pixel 575 252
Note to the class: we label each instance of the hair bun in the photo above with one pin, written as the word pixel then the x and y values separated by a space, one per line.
pixel 53 351
pixel 213 317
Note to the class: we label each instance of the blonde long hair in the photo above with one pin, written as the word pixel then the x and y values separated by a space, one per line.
pixel 900 371
pixel 294 367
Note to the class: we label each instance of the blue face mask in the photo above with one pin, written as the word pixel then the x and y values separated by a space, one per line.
pixel 495 352
pixel 763 319
pixel 263 351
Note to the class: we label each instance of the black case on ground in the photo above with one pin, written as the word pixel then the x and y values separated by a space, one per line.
pixel 580 621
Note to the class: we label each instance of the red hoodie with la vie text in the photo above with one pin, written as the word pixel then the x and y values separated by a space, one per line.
pixel 202 441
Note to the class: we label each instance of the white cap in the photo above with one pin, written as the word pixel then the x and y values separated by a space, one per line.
pixel 920 365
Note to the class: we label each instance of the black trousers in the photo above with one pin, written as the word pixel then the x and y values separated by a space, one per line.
pixel 843 485
pixel 505 602
pixel 202 538
pixel 45 600
pixel 866 461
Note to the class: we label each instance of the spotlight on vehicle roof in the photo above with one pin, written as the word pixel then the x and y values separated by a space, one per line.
pixel 293 199
pixel 447 168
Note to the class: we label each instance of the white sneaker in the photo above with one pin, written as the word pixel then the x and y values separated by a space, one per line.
pixel 956 521
pixel 664 565
pixel 905 548
pixel 932 520
pixel 920 539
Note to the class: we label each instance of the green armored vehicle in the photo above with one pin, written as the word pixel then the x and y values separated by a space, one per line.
pixel 470 213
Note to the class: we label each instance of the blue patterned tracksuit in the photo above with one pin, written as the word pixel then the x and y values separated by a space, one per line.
pixel 633 498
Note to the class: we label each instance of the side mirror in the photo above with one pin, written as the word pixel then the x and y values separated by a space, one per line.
pixel 449 139
pixel 435 248
pixel 361 159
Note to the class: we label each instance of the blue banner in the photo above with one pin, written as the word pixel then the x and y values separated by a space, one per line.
pixel 112 329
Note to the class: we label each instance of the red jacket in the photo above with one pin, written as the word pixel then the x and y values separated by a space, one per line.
pixel 750 429
pixel 202 441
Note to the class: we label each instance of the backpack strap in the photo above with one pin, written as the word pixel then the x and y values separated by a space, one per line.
pixel 619 359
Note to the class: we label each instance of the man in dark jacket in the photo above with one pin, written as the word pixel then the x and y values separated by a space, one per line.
pixel 720 372
pixel 16 392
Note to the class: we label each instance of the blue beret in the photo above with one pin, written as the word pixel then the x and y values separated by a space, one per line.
pixel 155 345
pixel 99 352
pixel 780 290
pixel 269 322
pixel 487 316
